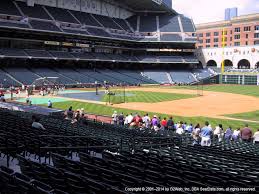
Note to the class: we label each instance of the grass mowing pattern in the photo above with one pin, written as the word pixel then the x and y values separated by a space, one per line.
pixel 148 97
pixel 236 89
pixel 107 110
pixel 253 116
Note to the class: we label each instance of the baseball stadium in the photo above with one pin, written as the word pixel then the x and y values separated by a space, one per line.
pixel 120 97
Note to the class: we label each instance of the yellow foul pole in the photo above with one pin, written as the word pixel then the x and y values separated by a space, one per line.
pixel 223 53
pixel 223 57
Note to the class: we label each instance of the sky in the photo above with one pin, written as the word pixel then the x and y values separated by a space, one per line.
pixel 202 11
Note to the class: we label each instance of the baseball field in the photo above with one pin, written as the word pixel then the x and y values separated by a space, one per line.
pixel 230 105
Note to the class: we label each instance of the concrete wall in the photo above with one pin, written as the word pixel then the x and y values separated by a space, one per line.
pixel 233 54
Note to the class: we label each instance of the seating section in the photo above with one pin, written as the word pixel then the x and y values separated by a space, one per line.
pixel 171 37
pixel 137 76
pixel 148 24
pixel 190 59
pixel 98 32
pixel 6 81
pixel 86 18
pixel 202 73
pixel 171 59
pixel 185 77
pixel 158 76
pixel 169 23
pixel 38 54
pixel 44 25
pixel 9 23
pixel 187 24
pixel 46 72
pixel 36 11
pixel 104 158
pixel 107 22
pixel 9 8
pixel 61 15
pixel 61 55
pixel 122 23
pixel 23 75
pixel 83 55
pixel 50 18
pixel 133 22
pixel 18 53
pixel 74 75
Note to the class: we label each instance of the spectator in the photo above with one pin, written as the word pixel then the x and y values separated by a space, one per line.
pixel 196 134
pixel 236 134
pixel 128 119
pixel 205 134
pixel 121 119
pixel 256 137
pixel 146 119
pixel 154 121
pixel 228 134
pixel 184 125
pixel 218 132
pixel 115 118
pixel 170 124
pixel 159 122
pixel 137 120
pixel 36 123
pixel 49 104
pixel 69 113
pixel 189 128
pixel 180 129
pixel 163 124
pixel 82 112
pixel 246 134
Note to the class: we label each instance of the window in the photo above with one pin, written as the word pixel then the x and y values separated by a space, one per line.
pixel 257 28
pixel 237 29
pixel 207 46
pixel 230 38
pixel 256 35
pixel 208 34
pixel 247 28
pixel 199 47
pixel 225 39
pixel 237 43
pixel 256 42
pixel 216 40
pixel 246 42
pixel 237 37
pixel 201 41
pixel 216 33
pixel 207 40
pixel 200 35
pixel 224 45
pixel 246 35
pixel 224 32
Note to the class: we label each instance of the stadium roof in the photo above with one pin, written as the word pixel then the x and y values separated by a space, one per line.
pixel 147 6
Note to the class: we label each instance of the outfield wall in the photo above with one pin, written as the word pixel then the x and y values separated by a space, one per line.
pixel 242 79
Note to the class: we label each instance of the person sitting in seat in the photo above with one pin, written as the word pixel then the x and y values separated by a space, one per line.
pixel 36 123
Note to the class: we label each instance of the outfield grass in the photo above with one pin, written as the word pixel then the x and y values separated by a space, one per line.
pixel 253 116
pixel 139 96
pixel 107 110
pixel 236 89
